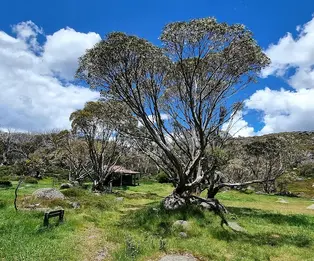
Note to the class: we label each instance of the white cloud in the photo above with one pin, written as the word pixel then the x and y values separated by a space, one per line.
pixel 27 32
pixel 238 127
pixel 152 118
pixel 286 110
pixel 292 52
pixel 62 49
pixel 32 97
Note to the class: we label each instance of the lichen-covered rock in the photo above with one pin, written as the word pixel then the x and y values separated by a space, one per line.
pixel 181 224
pixel 48 193
pixel 183 235
pixel 178 258
pixel 311 207
pixel 282 201
pixel 75 205
pixel 66 186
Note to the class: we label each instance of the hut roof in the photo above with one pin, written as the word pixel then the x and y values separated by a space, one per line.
pixel 121 170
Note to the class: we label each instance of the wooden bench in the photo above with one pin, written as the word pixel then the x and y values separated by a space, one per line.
pixel 54 213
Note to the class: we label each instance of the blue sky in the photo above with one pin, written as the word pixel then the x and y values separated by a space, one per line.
pixel 269 20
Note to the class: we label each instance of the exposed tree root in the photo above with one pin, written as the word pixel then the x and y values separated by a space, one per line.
pixel 176 201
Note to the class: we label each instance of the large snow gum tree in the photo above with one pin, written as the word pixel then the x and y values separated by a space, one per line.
pixel 181 93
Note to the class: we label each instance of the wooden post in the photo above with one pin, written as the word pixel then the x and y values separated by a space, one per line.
pixel 110 186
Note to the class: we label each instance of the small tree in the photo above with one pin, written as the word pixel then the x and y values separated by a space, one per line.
pixel 72 153
pixel 98 124
pixel 180 93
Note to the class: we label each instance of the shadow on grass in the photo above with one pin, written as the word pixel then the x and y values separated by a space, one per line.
pixel 270 239
pixel 159 221
pixel 142 195
pixel 274 218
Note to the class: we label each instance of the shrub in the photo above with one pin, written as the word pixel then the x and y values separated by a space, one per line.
pixel 6 171
pixel 162 177
pixel 30 180
pixel 85 186
pixel 11 178
pixel 307 170
pixel 74 192
pixel 57 172
pixel 283 181
pixel 2 203
pixel 5 184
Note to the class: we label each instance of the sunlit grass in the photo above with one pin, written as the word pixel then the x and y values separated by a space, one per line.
pixel 138 228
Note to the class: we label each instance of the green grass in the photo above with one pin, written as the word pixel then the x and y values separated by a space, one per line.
pixel 138 228
pixel 304 187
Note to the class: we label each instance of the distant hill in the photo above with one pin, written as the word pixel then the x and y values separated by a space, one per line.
pixel 302 141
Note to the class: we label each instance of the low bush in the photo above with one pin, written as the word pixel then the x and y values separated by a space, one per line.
pixel 5 184
pixel 58 173
pixel 6 171
pixel 31 180
pixel 306 170
pixel 73 192
pixel 11 178
pixel 86 186
pixel 162 177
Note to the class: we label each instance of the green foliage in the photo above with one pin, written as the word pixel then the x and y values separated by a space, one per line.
pixel 5 184
pixel 306 170
pixel 284 180
pixel 11 178
pixel 6 170
pixel 73 192
pixel 57 172
pixel 162 177
pixel 2 204
pixel 303 187
pixel 30 180
pixel 86 186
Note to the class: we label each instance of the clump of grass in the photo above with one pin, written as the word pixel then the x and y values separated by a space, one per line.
pixel 2 204
pixel 74 192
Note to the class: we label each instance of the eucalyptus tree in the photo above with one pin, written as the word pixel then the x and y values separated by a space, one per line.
pixel 181 93
pixel 98 124
pixel 72 153
pixel 258 160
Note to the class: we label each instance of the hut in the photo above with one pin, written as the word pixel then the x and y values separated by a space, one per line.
pixel 124 177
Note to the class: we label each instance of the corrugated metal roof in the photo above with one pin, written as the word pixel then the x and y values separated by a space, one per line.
pixel 120 169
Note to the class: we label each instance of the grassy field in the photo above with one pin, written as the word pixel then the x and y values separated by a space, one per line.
pixel 138 229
